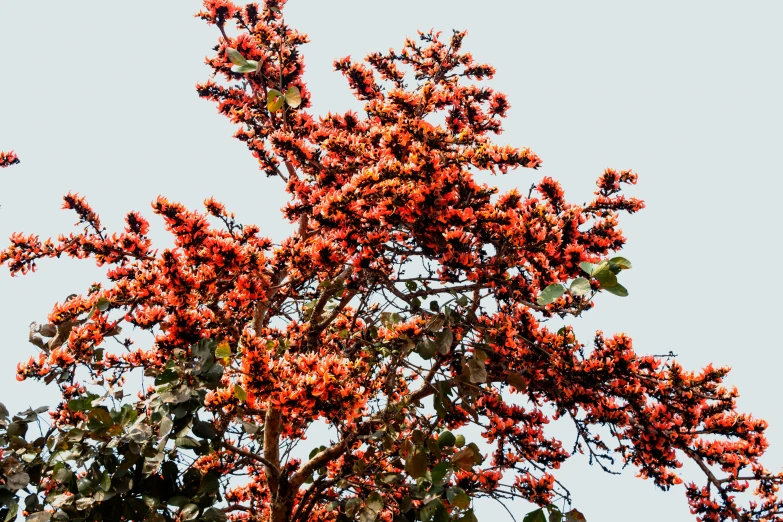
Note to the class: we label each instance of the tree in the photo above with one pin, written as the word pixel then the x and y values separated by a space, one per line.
pixel 407 309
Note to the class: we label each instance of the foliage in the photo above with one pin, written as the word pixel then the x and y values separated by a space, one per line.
pixel 409 305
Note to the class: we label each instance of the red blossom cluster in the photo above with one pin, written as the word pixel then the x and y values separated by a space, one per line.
pixel 8 158
pixel 406 280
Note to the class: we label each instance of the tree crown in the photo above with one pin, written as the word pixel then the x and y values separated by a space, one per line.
pixel 407 312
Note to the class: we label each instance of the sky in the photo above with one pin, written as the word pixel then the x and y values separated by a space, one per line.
pixel 98 98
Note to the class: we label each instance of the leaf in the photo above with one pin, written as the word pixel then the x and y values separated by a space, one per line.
pixel 274 100
pixel 550 293
pixel 606 278
pixel 250 67
pixel 178 501
pixel 204 430
pixel 223 351
pixel 235 56
pixel 209 483
pixel 535 516
pixel 165 426
pixel 41 516
pixel 102 304
pixel 620 262
pixel 351 506
pixel 240 393
pixel 443 341
pixel 62 474
pixel 464 459
pixel 579 286
pixel 554 513
pixel 186 442
pixel 374 502
pixel 440 472
pixel 367 515
pixel 617 289
pixel 587 268
pixel 18 480
pixel 478 371
pixel 165 377
pixel 416 466
pixel 13 509
pixel 457 497
pixel 459 441
pixel 574 516
pixel 214 515
pixel 518 381
pixel 426 349
pixel 446 439
pixel 249 428
pixel 188 512
pixel 435 511
pixel 293 97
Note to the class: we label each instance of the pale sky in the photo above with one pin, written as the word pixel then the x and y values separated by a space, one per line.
pixel 98 97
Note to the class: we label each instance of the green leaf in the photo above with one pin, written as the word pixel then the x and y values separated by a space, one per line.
pixel 214 515
pixel 440 472
pixel 13 509
pixel 274 100
pixel 554 513
pixel 293 97
pixel 102 304
pixel 459 441
pixel 204 430
pixel 374 502
pixel 550 293
pixel 535 516
pixel 446 439
pixel 62 474
pixel 426 349
pixel 250 67
pixel 186 442
pixel 617 289
pixel 416 465
pixel 165 377
pixel 620 262
pixel 352 506
pixel 188 512
pixel 587 268
pixel 443 341
pixel 240 393
pixel 209 483
pixel 579 286
pixel 435 511
pixel 367 515
pixel 606 278
pixel 178 501
pixel 235 56
pixel 223 351
pixel 457 497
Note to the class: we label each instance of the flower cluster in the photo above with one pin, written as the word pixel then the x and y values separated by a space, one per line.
pixel 8 158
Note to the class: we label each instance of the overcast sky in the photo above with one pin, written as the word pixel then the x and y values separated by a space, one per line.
pixel 98 97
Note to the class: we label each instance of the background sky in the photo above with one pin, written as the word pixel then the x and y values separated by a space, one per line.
pixel 98 98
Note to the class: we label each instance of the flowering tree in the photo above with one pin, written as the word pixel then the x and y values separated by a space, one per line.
pixel 406 313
